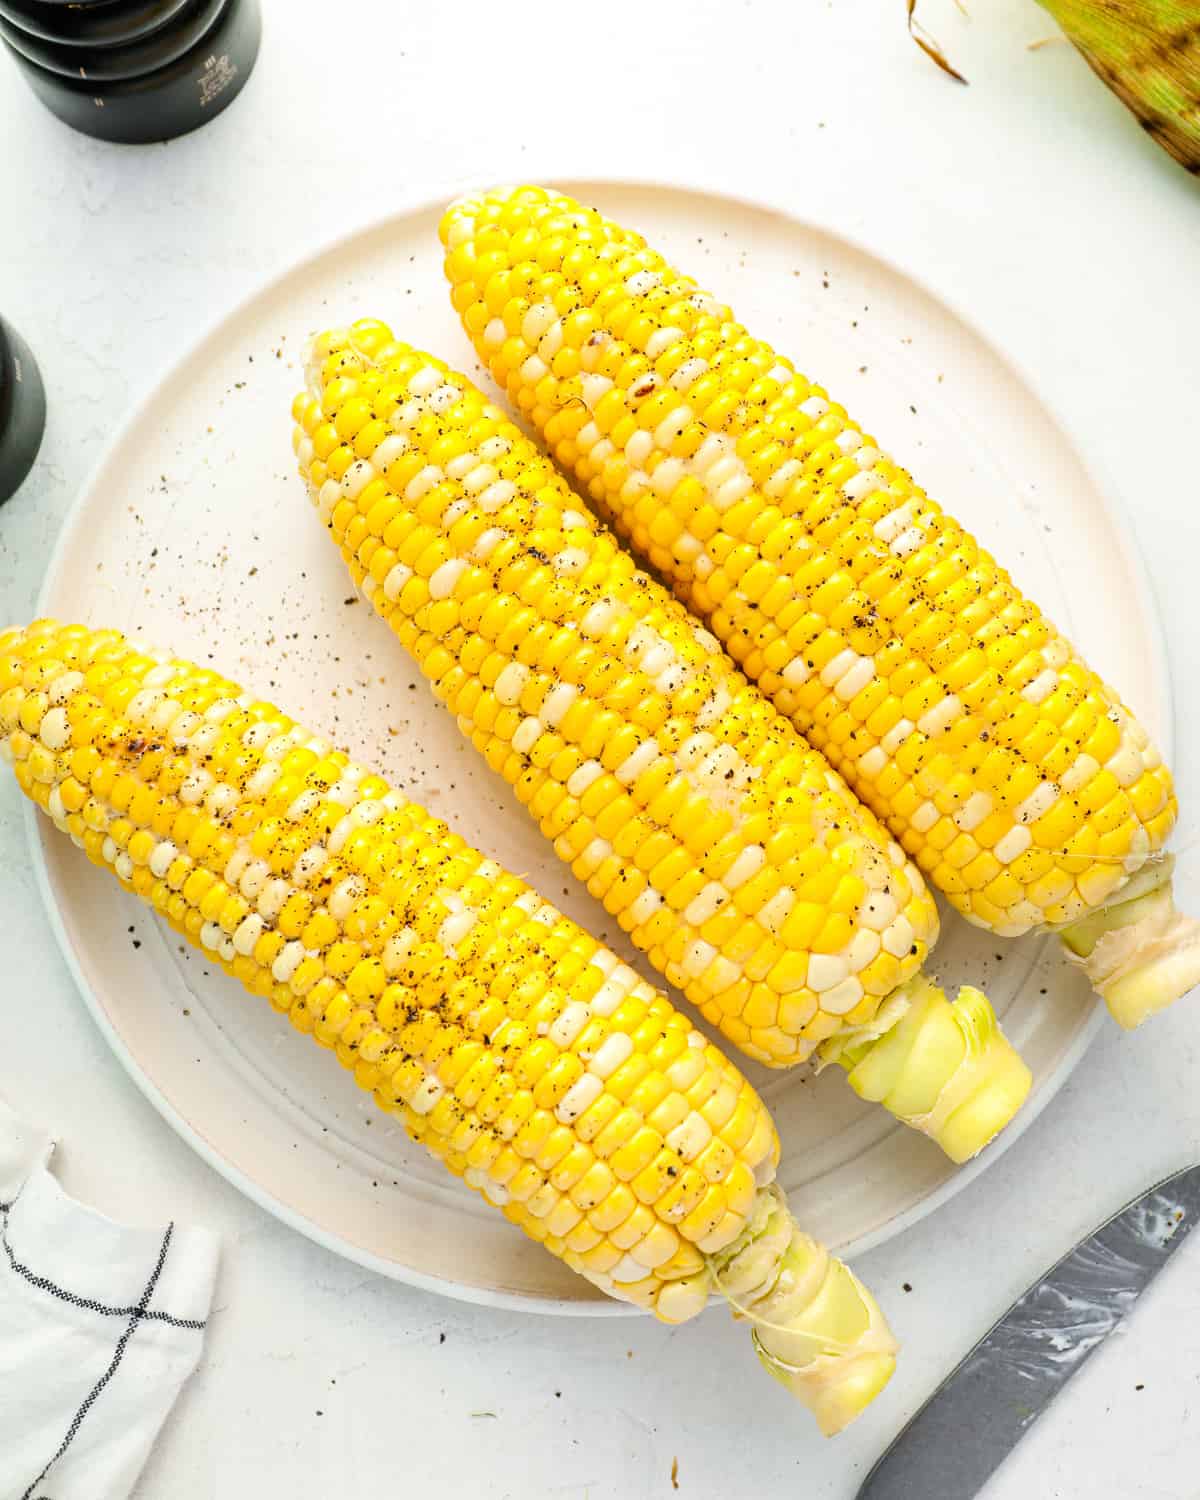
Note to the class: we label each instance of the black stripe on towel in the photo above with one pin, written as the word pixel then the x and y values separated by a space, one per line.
pixel 44 1284
pixel 139 1312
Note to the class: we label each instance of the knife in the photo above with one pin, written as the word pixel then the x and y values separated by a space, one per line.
pixel 984 1407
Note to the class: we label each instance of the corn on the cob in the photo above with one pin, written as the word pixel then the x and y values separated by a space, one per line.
pixel 1015 778
pixel 727 848
pixel 511 1044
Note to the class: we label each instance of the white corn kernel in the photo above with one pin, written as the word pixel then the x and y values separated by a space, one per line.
pixel 444 578
pixel 580 1096
pixel 851 683
pixel 422 482
pixel 973 811
pixel 1039 801
pixel 864 946
pixel 1013 844
pixel 924 817
pixel 511 683
pixel 527 734
pixel 940 716
pixel 785 475
pixel 557 701
pixel 873 762
pixel 908 542
pixel 706 905
pixel 749 862
pixel 424 1097
pixel 64 686
pixel 594 388
pixel 1125 764
pixel 301 806
pixel 796 673
pixel 611 1053
pixel 309 864
pixel 574 1017
pixel 254 876
pixel 889 527
pixel 643 907
pixel 690 1136
pixel 344 897
pixel 425 381
pixel 583 776
pixel 55 729
pixel 896 736
pixel 1041 687
pixel 162 858
pixel 861 485
pixel 272 897
pixel 697 957
pixel 194 786
pixel 249 930
pixel 637 761
pixel 661 340
pixel 608 997
pixel 287 962
pixel 898 939
pixel 497 496
pixel 356 478
pixel 842 997
pixel 397 577
pixel 486 543
pixel 1085 767
pixel 454 929
pixel 775 912
pixel 825 970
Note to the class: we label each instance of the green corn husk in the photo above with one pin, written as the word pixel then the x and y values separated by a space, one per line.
pixel 1148 53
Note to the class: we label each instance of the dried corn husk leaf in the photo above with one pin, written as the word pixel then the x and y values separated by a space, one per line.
pixel 927 44
pixel 1148 53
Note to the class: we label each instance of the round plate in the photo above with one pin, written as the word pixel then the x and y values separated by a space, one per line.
pixel 196 532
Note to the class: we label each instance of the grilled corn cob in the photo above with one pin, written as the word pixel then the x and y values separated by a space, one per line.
pixel 729 851
pixel 1011 773
pixel 511 1044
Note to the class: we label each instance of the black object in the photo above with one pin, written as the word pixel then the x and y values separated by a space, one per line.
pixel 102 23
pixel 22 410
pixel 170 77
pixel 133 59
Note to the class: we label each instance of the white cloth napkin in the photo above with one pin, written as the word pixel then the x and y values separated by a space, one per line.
pixel 100 1325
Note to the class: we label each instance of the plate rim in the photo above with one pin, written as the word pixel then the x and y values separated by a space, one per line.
pixel 1112 506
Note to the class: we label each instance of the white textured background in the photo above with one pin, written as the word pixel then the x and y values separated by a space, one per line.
pixel 1030 200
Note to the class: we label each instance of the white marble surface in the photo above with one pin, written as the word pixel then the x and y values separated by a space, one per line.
pixel 1028 198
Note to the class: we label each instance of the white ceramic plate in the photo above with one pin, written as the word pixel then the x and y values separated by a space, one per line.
pixel 195 531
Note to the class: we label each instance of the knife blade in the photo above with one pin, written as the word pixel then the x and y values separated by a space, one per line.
pixel 991 1399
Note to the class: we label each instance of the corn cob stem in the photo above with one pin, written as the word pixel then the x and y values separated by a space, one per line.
pixel 815 1329
pixel 1009 770
pixel 1140 953
pixel 512 1046
pixel 944 1069
pixel 729 850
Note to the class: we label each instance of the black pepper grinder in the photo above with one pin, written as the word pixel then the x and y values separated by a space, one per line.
pixel 133 70
pixel 22 410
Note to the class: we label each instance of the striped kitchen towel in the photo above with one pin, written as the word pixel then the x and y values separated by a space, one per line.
pixel 100 1325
